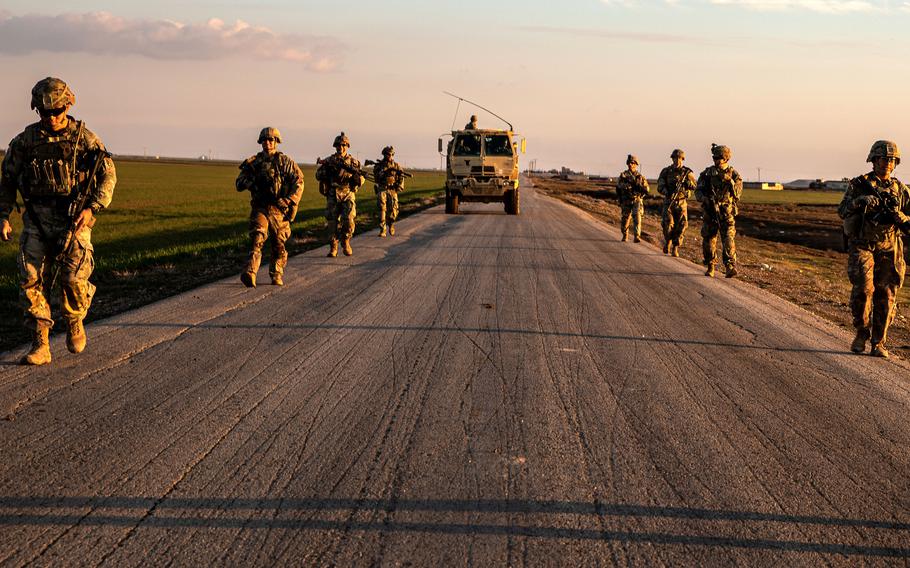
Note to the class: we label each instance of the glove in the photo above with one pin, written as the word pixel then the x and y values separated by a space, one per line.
pixel 866 201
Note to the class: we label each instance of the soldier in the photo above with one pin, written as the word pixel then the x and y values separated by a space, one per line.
pixel 275 183
pixel 631 189
pixel 875 206
pixel 340 177
pixel 718 189
pixel 472 125
pixel 389 181
pixel 676 183
pixel 49 164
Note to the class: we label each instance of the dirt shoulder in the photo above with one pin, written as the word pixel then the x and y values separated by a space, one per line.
pixel 792 251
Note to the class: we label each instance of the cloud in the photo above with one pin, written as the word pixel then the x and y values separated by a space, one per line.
pixel 102 33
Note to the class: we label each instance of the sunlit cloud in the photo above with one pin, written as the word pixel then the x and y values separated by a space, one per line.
pixel 102 33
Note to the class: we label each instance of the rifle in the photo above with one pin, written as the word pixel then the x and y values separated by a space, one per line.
pixel 77 206
pixel 350 169
pixel 374 162
pixel 680 192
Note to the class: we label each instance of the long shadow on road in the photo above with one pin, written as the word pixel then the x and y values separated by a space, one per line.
pixel 63 511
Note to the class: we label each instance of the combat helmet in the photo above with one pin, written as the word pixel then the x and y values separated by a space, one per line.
pixel 341 140
pixel 388 151
pixel 50 93
pixel 679 153
pixel 720 151
pixel 269 132
pixel 885 149
pixel 631 159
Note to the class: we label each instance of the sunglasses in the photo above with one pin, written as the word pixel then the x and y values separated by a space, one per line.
pixel 49 112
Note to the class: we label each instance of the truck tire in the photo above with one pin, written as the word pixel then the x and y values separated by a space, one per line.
pixel 451 203
pixel 510 202
pixel 516 206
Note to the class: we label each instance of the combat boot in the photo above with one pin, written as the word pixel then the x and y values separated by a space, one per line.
pixel 333 249
pixel 75 336
pixel 40 353
pixel 675 251
pixel 731 271
pixel 346 247
pixel 859 342
pixel 637 239
pixel 625 237
pixel 277 280
pixel 710 271
pixel 878 350
pixel 667 247
pixel 382 231
pixel 391 230
pixel 248 279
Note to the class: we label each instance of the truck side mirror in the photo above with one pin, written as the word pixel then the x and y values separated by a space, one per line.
pixel 524 145
pixel 440 145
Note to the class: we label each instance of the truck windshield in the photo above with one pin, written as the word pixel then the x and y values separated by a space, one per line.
pixel 467 145
pixel 497 145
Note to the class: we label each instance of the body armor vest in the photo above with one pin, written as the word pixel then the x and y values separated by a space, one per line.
pixel 51 170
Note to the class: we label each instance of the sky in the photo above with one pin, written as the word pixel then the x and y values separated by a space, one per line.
pixel 797 88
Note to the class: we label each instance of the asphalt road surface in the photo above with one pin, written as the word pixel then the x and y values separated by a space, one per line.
pixel 481 390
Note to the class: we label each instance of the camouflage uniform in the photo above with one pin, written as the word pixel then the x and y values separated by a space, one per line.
pixel 676 185
pixel 275 183
pixel 46 167
pixel 340 184
pixel 719 189
pixel 631 189
pixel 472 125
pixel 389 181
pixel 875 264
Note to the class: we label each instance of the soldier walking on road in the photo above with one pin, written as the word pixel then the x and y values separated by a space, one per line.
pixel 875 208
pixel 275 183
pixel 51 165
pixel 718 189
pixel 340 177
pixel 676 183
pixel 389 181
pixel 631 189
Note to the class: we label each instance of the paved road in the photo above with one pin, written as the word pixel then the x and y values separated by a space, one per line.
pixel 479 390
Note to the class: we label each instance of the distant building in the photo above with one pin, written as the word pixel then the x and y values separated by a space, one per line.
pixel 763 185
pixel 837 185
pixel 805 184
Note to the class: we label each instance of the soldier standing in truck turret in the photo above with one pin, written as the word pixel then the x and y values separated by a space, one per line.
pixel 48 164
pixel 718 189
pixel 389 181
pixel 472 124
pixel 875 210
pixel 631 188
pixel 676 183
pixel 275 183
pixel 340 177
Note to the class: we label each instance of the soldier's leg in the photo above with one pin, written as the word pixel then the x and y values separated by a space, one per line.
pixel 886 281
pixel 381 198
pixel 76 290
pixel 279 232
pixel 625 219
pixel 348 215
pixel 637 212
pixel 728 236
pixel 259 224
pixel 667 225
pixel 860 264
pixel 709 231
pixel 331 221
pixel 680 223
pixel 393 208
pixel 32 256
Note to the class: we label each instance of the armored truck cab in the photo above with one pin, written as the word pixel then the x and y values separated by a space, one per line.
pixel 482 166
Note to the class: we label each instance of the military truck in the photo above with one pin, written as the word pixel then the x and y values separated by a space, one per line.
pixel 482 166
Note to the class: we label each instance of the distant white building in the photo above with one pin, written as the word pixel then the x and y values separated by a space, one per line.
pixel 805 184
pixel 763 185
pixel 837 185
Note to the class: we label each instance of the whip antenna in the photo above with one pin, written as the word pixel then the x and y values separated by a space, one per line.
pixel 460 99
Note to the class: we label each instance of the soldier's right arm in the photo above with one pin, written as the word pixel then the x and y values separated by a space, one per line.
pixel 246 176
pixel 848 204
pixel 701 185
pixel 662 182
pixel 10 170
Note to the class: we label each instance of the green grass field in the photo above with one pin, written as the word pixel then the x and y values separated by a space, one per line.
pixel 791 197
pixel 174 226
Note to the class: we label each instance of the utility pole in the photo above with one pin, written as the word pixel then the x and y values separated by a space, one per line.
pixel 759 174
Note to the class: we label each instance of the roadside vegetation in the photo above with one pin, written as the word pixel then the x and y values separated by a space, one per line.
pixel 173 226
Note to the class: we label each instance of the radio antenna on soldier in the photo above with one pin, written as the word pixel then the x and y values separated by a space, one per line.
pixel 460 99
